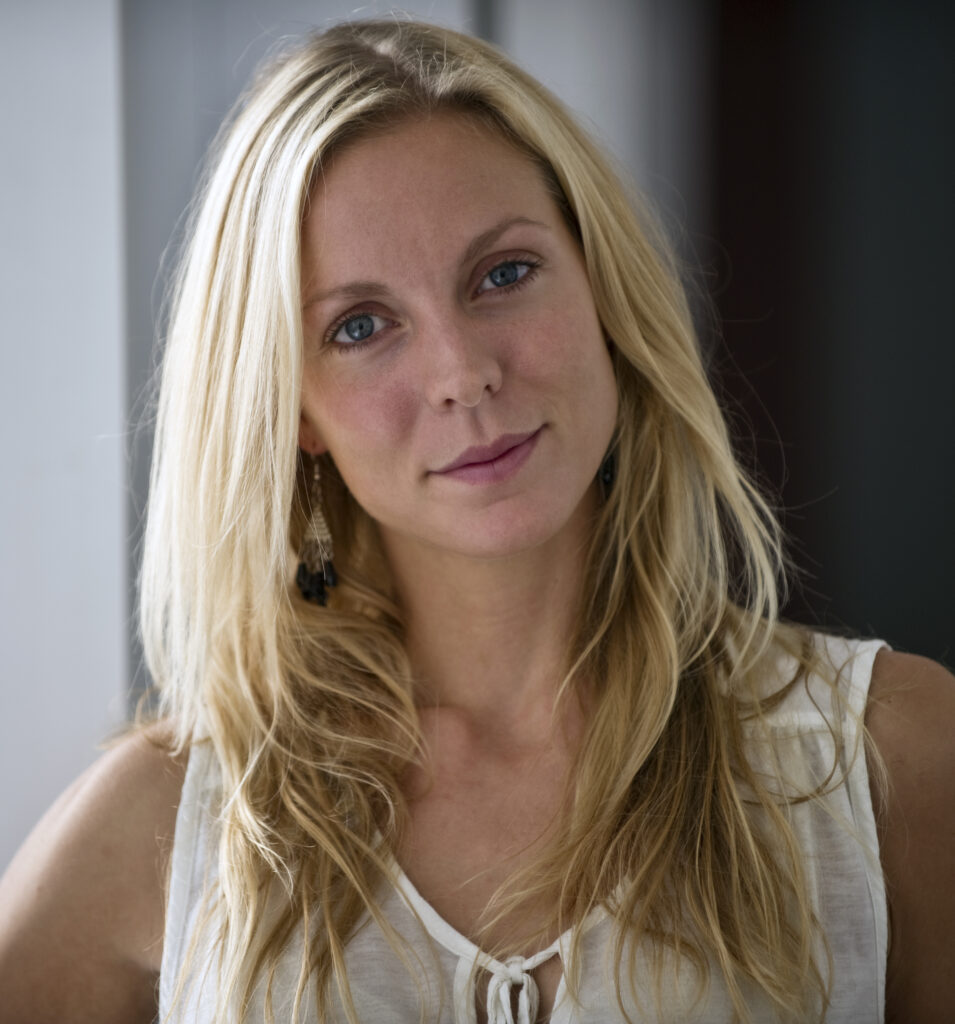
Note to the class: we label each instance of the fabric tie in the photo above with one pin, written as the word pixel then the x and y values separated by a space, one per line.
pixel 500 1007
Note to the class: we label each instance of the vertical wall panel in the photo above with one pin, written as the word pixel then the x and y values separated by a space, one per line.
pixel 62 532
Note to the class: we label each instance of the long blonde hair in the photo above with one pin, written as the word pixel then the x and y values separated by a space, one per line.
pixel 310 711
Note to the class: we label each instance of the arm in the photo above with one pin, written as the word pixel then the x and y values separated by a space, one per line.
pixel 81 905
pixel 911 719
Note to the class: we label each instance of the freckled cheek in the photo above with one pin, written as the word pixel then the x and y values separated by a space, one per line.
pixel 559 348
pixel 371 438
pixel 363 423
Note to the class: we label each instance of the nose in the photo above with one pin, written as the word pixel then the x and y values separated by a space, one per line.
pixel 461 365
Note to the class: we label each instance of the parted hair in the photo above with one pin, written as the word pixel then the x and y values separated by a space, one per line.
pixel 310 711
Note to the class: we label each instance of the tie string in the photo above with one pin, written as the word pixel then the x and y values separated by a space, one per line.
pixel 500 988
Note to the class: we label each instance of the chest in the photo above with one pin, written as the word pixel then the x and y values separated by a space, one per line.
pixel 473 827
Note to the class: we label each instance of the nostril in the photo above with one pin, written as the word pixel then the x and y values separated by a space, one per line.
pixel 465 381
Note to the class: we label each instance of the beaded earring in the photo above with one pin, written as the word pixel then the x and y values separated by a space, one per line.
pixel 315 569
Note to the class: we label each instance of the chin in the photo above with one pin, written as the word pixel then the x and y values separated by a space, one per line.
pixel 524 535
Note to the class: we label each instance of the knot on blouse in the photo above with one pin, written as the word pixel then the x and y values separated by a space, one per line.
pixel 500 987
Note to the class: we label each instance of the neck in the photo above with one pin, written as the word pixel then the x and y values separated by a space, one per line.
pixel 488 637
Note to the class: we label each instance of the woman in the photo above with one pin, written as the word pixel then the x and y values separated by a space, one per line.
pixel 476 705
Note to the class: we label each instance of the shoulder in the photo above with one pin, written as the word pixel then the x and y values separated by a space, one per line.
pixel 81 905
pixel 910 718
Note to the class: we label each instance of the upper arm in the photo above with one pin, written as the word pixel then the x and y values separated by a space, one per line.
pixel 911 719
pixel 82 903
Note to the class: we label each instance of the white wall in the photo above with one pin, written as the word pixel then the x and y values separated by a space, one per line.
pixel 62 533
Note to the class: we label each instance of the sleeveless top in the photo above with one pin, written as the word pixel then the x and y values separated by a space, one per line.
pixel 436 981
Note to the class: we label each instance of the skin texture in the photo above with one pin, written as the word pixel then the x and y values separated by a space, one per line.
pixel 456 360
pixel 911 718
pixel 81 905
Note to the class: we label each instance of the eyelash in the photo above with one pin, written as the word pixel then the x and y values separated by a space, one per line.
pixel 532 267
pixel 352 346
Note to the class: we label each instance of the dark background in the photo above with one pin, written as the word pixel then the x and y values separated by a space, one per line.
pixel 833 277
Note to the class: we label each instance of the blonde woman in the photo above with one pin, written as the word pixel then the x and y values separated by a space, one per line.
pixel 476 705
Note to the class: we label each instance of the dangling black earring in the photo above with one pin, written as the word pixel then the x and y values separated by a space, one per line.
pixel 315 569
pixel 607 473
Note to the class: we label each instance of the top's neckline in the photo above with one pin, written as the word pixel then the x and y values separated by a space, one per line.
pixel 462 947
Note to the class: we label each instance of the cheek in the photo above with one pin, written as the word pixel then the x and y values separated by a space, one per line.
pixel 581 369
pixel 567 350
pixel 361 417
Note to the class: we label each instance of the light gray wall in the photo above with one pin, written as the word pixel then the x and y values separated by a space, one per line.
pixel 637 74
pixel 62 400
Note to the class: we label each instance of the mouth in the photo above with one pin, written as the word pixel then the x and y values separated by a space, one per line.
pixel 495 461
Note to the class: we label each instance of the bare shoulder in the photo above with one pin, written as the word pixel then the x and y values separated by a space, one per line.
pixel 82 903
pixel 911 720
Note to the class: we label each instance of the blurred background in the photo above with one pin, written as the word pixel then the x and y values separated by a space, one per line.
pixel 800 153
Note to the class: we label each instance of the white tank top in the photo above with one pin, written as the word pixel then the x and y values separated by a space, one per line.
pixel 837 837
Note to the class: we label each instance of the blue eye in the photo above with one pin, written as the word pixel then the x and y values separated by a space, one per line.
pixel 356 329
pixel 506 275
pixel 359 327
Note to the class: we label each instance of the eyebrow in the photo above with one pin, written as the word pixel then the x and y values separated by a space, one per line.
pixel 364 289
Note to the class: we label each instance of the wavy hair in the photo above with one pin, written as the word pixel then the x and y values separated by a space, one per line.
pixel 311 711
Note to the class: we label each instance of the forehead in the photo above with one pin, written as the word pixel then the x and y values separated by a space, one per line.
pixel 427 181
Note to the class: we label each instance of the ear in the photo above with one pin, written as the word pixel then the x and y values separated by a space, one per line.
pixel 309 439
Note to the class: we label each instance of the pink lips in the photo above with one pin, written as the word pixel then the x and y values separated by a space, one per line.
pixel 493 462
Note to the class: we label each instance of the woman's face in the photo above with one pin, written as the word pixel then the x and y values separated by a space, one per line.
pixel 454 368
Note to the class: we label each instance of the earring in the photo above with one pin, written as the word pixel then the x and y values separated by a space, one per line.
pixel 315 569
pixel 607 472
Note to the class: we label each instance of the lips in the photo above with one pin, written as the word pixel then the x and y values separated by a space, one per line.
pixel 485 454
